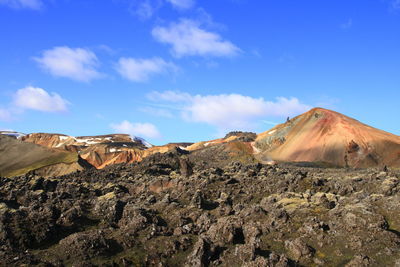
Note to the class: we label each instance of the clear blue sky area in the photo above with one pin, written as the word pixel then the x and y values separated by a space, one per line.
pixel 191 70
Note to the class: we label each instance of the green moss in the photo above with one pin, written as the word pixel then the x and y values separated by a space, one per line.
pixel 62 157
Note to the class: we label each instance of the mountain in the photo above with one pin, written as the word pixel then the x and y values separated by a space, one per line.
pixel 76 143
pixel 18 157
pixel 236 136
pixel 325 136
pixel 101 150
pixel 320 136
pixel 235 146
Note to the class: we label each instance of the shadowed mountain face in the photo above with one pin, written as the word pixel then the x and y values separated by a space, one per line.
pixel 17 157
pixel 326 136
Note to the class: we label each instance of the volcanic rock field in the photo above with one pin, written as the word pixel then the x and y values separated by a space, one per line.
pixel 169 210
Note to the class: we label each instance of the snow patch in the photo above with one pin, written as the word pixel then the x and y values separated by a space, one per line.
pixel 14 134
pixel 141 140
pixel 271 132
pixel 89 141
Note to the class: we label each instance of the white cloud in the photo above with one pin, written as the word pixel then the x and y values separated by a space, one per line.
pixel 140 70
pixel 38 99
pixel 182 4
pixel 146 130
pixel 230 111
pixel 19 4
pixel 188 39
pixel 75 63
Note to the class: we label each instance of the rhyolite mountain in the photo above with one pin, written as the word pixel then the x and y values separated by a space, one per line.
pixel 101 150
pixel 325 136
pixel 57 154
pixel 320 136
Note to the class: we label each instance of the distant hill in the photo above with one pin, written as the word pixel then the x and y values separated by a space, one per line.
pixel 12 133
pixel 100 150
pixel 18 157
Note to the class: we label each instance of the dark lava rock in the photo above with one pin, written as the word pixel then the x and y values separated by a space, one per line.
pixel 88 245
pixel 173 209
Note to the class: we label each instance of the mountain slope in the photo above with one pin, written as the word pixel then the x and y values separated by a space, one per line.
pixel 234 147
pixel 101 150
pixel 322 135
pixel 73 143
pixel 17 158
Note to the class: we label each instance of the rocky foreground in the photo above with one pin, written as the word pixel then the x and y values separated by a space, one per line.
pixel 167 211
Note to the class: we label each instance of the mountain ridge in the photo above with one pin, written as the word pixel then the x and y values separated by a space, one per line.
pixel 319 136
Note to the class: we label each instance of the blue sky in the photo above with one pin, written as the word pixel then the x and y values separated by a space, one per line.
pixel 191 70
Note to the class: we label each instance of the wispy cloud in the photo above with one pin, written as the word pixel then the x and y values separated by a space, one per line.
pixel 187 38
pixel 5 115
pixel 35 98
pixel 182 4
pixel 23 4
pixel 75 63
pixel 146 130
pixel 270 122
pixel 347 25
pixel 395 4
pixel 145 9
pixel 288 60
pixel 170 96
pixel 229 111
pixel 140 70
pixel 157 112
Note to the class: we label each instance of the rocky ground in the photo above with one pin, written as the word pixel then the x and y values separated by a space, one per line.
pixel 168 211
